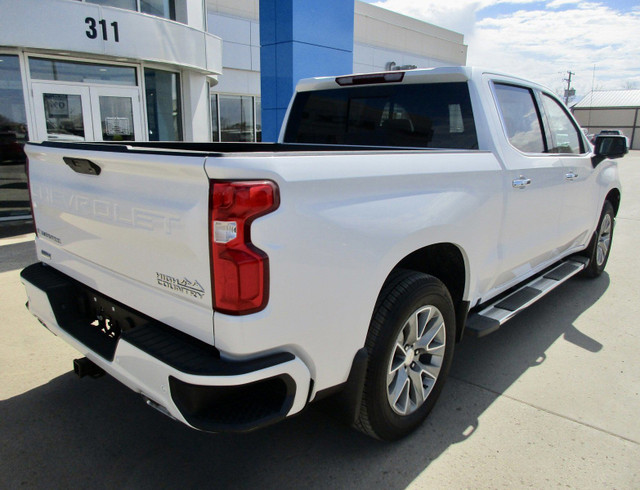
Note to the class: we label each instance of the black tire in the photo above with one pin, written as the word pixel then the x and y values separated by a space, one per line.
pixel 407 296
pixel 600 245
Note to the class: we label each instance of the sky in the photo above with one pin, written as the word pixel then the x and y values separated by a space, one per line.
pixel 599 41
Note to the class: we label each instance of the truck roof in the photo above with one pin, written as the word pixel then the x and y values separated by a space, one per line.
pixel 419 75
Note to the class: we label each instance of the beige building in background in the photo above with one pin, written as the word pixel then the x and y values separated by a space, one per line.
pixel 611 109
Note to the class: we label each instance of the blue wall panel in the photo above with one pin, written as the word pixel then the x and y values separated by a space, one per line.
pixel 300 39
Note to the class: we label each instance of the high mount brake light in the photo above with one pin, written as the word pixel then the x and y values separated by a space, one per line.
pixel 389 77
pixel 239 270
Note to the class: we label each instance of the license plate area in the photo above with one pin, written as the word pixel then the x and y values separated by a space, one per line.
pixel 96 320
pixel 105 319
pixel 93 319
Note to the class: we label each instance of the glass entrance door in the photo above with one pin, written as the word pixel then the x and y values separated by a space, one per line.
pixel 91 113
pixel 63 112
pixel 116 114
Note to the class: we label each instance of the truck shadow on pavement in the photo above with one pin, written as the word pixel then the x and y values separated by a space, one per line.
pixel 72 432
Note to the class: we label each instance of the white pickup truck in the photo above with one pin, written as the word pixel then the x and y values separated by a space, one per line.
pixel 232 284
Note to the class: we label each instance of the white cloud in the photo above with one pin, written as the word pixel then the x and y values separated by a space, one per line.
pixel 561 3
pixel 457 15
pixel 542 44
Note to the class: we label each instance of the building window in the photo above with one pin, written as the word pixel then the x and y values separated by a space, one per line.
pixel 14 196
pixel 73 71
pixel 164 112
pixel 121 4
pixel 235 118
pixel 159 8
pixel 215 120
pixel 258 119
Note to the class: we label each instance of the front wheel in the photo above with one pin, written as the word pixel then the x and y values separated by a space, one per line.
pixel 410 345
pixel 600 245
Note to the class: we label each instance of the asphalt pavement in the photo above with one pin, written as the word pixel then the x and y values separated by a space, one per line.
pixel 551 399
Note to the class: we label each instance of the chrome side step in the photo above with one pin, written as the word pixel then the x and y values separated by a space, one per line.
pixel 492 317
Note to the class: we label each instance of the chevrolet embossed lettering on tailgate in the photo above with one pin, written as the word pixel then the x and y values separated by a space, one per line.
pixel 141 217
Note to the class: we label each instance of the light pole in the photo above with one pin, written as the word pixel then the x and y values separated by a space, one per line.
pixel 567 92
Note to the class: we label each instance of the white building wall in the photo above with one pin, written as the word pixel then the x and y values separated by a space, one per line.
pixel 241 41
pixel 244 9
pixel 368 58
pixel 240 53
pixel 387 32
pixel 195 96
pixel 192 13
pixel 62 27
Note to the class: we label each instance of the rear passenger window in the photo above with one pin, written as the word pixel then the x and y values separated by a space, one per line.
pixel 434 115
pixel 564 135
pixel 520 117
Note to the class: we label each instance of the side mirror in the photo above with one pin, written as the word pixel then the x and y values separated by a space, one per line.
pixel 609 146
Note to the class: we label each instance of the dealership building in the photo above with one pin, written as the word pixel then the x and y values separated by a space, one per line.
pixel 182 70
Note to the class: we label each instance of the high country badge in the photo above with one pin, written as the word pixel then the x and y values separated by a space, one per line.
pixel 184 286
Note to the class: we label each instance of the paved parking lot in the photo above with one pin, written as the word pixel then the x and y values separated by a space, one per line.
pixel 552 399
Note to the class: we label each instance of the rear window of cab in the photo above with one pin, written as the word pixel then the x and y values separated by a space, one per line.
pixel 437 115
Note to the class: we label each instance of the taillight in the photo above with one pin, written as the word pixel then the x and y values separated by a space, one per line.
pixel 239 270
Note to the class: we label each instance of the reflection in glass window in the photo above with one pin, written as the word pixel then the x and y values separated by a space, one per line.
pixel 160 8
pixel 564 135
pixel 64 117
pixel 73 71
pixel 116 115
pixel 122 4
pixel 520 117
pixel 14 196
pixel 258 119
pixel 236 118
pixel 215 122
pixel 164 112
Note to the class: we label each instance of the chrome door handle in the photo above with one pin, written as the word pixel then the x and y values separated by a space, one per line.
pixel 521 182
pixel 571 176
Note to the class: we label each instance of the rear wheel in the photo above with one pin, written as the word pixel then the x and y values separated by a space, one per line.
pixel 600 246
pixel 410 345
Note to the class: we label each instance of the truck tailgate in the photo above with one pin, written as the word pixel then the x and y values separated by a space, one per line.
pixel 128 223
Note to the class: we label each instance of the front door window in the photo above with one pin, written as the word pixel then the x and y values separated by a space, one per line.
pixel 563 135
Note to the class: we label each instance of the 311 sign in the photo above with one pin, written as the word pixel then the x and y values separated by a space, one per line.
pixel 96 27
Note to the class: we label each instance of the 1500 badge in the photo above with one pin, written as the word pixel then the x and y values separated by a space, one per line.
pixel 184 286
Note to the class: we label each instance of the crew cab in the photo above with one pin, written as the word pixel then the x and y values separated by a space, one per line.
pixel 231 284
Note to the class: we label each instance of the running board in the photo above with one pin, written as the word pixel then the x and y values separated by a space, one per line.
pixel 492 317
